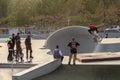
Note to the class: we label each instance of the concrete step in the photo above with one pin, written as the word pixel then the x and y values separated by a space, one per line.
pixel 93 57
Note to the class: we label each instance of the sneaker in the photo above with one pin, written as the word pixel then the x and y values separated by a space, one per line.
pixel 74 64
pixel 68 63
pixel 22 61
pixel 31 56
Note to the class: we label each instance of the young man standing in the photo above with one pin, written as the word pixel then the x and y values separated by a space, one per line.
pixel 73 50
pixel 28 47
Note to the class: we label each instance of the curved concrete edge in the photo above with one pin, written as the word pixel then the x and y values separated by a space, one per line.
pixel 37 71
pixel 64 35
pixel 9 65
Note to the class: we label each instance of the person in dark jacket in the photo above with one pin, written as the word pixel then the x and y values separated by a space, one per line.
pixel 28 47
pixel 19 53
pixel 13 40
pixel 73 50
pixel 10 50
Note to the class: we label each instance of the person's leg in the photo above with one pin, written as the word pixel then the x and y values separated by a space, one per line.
pixel 62 58
pixel 21 56
pixel 70 57
pixel 27 54
pixel 89 30
pixel 9 58
pixel 13 54
pixel 16 56
pixel 74 58
pixel 31 53
pixel 96 30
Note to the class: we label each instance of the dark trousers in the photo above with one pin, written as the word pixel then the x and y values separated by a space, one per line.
pixel 10 55
pixel 19 54
pixel 62 58
pixel 29 49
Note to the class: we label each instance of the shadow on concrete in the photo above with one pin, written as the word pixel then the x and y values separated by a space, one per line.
pixel 84 72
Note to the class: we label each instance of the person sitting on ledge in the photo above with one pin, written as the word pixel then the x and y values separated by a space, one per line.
pixel 57 54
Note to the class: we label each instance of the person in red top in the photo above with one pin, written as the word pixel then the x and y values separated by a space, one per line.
pixel 92 28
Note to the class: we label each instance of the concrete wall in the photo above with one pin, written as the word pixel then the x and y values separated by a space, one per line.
pixel 9 65
pixel 37 71
pixel 63 36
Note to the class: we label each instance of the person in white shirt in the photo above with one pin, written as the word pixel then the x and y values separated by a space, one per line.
pixel 57 54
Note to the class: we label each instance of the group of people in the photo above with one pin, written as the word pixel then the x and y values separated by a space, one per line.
pixel 18 54
pixel 57 54
pixel 15 49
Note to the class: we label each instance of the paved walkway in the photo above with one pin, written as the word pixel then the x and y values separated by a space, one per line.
pixel 41 56
pixel 39 53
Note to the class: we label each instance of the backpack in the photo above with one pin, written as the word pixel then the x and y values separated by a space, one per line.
pixel 56 54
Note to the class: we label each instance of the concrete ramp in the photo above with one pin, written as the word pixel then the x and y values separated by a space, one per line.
pixel 36 71
pixel 84 72
pixel 63 36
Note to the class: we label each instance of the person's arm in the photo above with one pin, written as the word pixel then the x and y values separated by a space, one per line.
pixel 60 53
pixel 78 44
pixel 69 45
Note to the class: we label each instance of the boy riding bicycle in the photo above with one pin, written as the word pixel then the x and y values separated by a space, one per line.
pixel 92 28
pixel 93 31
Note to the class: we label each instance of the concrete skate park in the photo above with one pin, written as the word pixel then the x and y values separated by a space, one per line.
pixel 89 55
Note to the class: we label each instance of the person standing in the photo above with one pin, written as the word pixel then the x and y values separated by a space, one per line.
pixel 19 53
pixel 73 50
pixel 28 47
pixel 13 40
pixel 57 54
pixel 10 50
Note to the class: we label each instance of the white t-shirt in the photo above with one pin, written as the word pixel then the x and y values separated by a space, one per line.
pixel 59 52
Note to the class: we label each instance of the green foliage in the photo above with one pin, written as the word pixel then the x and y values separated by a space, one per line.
pixel 56 13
